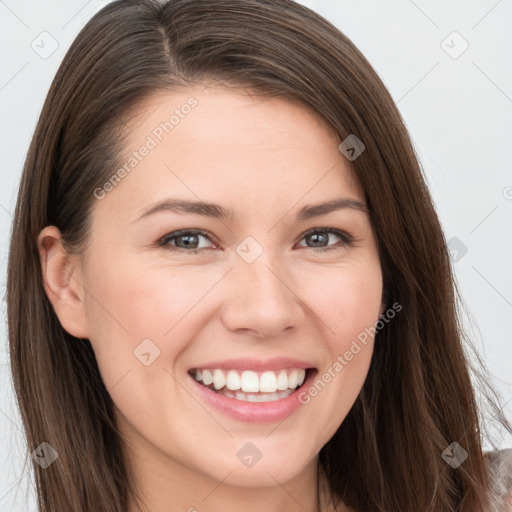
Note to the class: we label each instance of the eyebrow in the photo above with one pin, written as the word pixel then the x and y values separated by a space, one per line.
pixel 219 212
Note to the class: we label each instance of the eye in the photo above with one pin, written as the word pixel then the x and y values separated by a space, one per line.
pixel 321 236
pixel 188 240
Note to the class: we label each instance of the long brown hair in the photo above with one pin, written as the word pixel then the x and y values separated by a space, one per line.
pixel 418 397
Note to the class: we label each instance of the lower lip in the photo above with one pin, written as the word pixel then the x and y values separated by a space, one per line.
pixel 254 412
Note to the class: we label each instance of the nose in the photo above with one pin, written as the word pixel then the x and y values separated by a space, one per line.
pixel 262 299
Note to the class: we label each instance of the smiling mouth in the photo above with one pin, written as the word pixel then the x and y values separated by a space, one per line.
pixel 250 386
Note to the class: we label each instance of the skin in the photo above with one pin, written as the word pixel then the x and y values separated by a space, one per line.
pixel 265 159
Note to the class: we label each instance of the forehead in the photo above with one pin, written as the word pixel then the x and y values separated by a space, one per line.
pixel 223 145
pixel 221 116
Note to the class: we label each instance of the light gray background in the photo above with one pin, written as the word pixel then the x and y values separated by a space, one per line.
pixel 458 111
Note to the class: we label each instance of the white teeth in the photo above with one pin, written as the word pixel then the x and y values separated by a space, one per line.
pixel 282 380
pixel 251 382
pixel 268 382
pixel 232 380
pixel 219 381
pixel 292 379
pixel 263 397
pixel 207 377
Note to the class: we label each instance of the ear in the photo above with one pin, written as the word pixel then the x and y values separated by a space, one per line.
pixel 62 282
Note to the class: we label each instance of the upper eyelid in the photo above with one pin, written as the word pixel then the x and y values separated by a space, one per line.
pixel 334 231
pixel 183 232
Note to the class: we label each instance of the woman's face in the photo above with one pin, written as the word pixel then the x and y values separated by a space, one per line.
pixel 252 292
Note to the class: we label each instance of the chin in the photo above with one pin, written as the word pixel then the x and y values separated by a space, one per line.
pixel 263 470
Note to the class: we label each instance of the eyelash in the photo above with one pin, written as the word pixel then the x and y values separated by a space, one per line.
pixel 345 238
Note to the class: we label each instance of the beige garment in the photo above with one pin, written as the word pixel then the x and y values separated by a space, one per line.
pixel 500 473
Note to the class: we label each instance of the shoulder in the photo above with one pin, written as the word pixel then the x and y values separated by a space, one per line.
pixel 499 464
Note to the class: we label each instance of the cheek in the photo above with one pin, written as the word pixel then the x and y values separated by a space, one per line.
pixel 127 305
pixel 346 299
pixel 347 302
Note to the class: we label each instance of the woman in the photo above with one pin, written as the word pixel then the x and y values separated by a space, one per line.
pixel 227 276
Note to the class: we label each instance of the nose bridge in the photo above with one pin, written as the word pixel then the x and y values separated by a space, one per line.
pixel 264 299
pixel 262 277
pixel 263 280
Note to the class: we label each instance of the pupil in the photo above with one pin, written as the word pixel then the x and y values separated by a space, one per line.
pixel 316 236
pixel 188 244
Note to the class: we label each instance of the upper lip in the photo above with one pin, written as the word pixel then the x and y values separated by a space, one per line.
pixel 257 365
